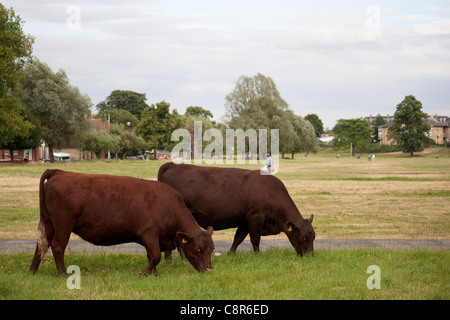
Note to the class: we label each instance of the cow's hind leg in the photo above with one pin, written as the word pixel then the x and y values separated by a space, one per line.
pixel 255 239
pixel 240 235
pixel 168 255
pixel 153 255
pixel 255 234
pixel 36 260
pixel 58 245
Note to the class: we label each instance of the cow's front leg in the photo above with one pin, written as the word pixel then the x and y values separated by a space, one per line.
pixel 153 255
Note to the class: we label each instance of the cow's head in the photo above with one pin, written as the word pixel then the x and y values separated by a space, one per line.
pixel 197 248
pixel 301 235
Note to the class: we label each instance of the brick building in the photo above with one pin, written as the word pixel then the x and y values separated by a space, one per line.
pixel 439 130
pixel 41 153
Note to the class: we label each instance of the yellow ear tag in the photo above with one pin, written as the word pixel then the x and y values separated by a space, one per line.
pixel 183 240
pixel 290 228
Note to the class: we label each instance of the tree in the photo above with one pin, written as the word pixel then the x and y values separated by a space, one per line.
pixel 307 139
pixel 12 123
pixel 256 103
pixel 15 50
pixel 297 135
pixel 316 123
pixel 253 103
pixel 130 101
pixel 198 112
pixel 354 133
pixel 120 116
pixel 409 130
pixel 379 121
pixel 157 124
pixel 189 123
pixel 127 141
pixel 60 107
pixel 98 142
pixel 27 141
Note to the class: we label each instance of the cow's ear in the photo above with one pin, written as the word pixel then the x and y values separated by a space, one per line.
pixel 210 230
pixel 311 218
pixel 291 227
pixel 183 238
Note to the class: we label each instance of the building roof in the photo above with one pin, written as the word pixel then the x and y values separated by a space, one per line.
pixel 431 120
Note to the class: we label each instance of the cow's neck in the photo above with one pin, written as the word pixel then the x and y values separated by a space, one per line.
pixel 291 214
pixel 186 222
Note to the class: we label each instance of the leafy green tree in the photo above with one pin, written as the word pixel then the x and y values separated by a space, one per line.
pixel 316 123
pixel 354 133
pixel 297 135
pixel 28 141
pixel 288 139
pixel 189 120
pixel 15 50
pixel 409 130
pixel 157 124
pixel 307 139
pixel 256 103
pixel 130 101
pixel 98 142
pixel 120 116
pixel 12 123
pixel 253 103
pixel 198 112
pixel 126 141
pixel 379 121
pixel 60 107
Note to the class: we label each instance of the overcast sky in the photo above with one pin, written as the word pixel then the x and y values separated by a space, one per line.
pixel 338 59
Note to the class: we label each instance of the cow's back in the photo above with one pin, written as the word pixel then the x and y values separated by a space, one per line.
pixel 107 209
pixel 215 196
pixel 225 197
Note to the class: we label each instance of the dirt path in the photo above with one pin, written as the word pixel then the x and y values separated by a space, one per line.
pixel 80 246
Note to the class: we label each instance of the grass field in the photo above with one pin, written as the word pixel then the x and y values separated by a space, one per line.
pixel 393 197
pixel 270 275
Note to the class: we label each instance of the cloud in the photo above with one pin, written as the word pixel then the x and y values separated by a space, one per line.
pixel 323 56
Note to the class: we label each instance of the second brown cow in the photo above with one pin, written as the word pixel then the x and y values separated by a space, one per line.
pixel 256 204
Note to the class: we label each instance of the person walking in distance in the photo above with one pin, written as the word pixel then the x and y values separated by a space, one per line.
pixel 269 162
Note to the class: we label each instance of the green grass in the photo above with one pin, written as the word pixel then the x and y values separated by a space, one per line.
pixel 349 198
pixel 138 169
pixel 274 274
pixel 394 197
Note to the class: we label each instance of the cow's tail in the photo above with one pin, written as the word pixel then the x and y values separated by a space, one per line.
pixel 44 221
pixel 164 168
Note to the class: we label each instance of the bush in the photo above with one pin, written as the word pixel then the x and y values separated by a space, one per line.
pixel 380 148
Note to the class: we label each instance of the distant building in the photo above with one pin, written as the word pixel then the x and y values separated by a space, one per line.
pixel 21 155
pixel 76 153
pixel 439 130
pixel 371 118
pixel 41 152
pixel 326 138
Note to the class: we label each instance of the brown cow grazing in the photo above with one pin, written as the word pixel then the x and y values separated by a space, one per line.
pixel 256 204
pixel 107 210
